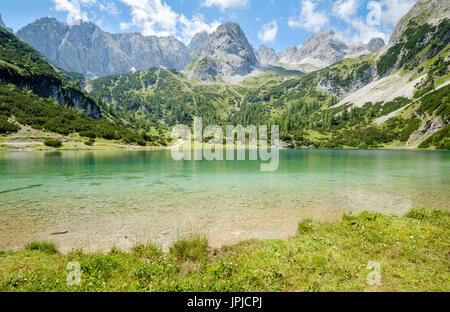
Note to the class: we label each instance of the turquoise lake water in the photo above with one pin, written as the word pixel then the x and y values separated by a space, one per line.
pixel 106 199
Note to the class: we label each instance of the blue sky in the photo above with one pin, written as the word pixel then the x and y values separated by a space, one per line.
pixel 275 23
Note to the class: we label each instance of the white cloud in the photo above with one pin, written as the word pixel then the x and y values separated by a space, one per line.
pixel 109 7
pixel 268 32
pixel 358 29
pixel 155 17
pixel 364 32
pixel 226 4
pixel 394 10
pixel 310 19
pixel 191 27
pixel 345 9
pixel 73 8
pixel 76 9
pixel 383 16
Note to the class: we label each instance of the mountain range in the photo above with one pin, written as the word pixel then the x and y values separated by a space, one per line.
pixel 83 47
pixel 319 51
pixel 397 96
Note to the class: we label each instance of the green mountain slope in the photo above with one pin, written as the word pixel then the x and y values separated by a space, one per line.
pixel 25 108
pixel 22 66
pixel 169 97
pixel 33 94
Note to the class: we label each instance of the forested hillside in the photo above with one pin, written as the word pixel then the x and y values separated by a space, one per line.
pixel 305 106
pixel 23 107
pixel 33 94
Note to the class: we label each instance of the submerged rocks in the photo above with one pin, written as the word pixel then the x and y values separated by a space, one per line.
pixel 62 232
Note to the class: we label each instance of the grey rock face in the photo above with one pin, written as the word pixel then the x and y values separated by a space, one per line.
pixel 325 49
pixel 2 24
pixel 76 99
pixel 231 51
pixel 197 43
pixel 289 56
pixel 52 87
pixel 144 52
pixel 267 56
pixel 45 35
pixel 375 44
pixel 206 69
pixel 175 54
pixel 86 49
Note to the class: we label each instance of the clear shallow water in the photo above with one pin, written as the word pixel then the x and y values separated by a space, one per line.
pixel 107 199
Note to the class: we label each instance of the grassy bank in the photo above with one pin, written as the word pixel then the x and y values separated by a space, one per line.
pixel 413 253
pixel 30 139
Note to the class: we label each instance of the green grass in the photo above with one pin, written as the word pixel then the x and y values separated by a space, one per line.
pixel 45 247
pixel 411 250
pixel 193 248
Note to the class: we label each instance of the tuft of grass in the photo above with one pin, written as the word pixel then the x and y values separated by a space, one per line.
pixel 305 226
pixel 434 216
pixel 192 247
pixel 45 247
pixel 424 214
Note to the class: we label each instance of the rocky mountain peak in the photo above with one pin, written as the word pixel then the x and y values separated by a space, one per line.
pixel 288 56
pixel 47 22
pixel 229 50
pixel 321 43
pixel 323 35
pixel 375 44
pixel 85 25
pixel 229 39
pixel 267 55
pixel 230 28
pixel 197 42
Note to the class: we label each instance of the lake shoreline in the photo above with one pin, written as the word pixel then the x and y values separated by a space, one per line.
pixel 411 252
pixel 39 147
pixel 12 143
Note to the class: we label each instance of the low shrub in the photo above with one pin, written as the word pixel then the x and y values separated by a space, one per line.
pixel 90 142
pixel 7 127
pixel 53 143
